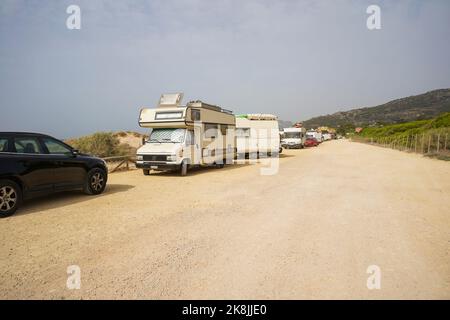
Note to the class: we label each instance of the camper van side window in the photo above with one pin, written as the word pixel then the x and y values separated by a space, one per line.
pixel 223 129
pixel 189 138
pixel 195 115
pixel 243 132
pixel 168 115
pixel 210 130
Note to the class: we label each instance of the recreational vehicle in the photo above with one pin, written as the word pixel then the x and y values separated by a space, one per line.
pixel 182 136
pixel 293 138
pixel 256 135
pixel 314 134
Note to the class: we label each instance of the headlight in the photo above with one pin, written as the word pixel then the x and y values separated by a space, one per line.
pixel 172 158
pixel 139 158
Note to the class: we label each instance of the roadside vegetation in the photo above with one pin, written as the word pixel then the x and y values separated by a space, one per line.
pixel 432 126
pixel 429 137
pixel 104 144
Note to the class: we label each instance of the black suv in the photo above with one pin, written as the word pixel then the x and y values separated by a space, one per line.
pixel 34 164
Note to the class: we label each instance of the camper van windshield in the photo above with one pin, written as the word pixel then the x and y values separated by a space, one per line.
pixel 167 135
pixel 292 135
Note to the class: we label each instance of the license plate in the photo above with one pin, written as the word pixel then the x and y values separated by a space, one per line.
pixel 153 167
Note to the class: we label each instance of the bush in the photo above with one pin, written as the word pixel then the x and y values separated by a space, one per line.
pixel 100 144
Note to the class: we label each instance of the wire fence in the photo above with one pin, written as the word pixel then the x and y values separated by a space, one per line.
pixel 430 144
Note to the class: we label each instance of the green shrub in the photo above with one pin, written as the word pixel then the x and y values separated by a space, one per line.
pixel 101 144
pixel 441 122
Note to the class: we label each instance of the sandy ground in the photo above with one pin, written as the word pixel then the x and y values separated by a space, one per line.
pixel 309 231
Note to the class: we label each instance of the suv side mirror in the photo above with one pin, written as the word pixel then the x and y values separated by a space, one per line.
pixel 75 152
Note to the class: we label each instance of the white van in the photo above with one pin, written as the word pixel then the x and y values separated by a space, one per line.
pixel 293 138
pixel 314 134
pixel 257 134
pixel 182 136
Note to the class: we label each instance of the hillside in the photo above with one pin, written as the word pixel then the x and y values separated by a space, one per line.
pixel 435 125
pixel 413 108
pixel 284 124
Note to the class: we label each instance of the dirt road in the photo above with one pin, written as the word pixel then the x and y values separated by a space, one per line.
pixel 310 231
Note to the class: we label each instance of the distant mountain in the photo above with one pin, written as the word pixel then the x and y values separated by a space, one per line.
pixel 284 124
pixel 420 107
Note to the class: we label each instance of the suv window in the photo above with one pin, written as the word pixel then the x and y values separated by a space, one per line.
pixel 56 147
pixel 27 145
pixel 3 144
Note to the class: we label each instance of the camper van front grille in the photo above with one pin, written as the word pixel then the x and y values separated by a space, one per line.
pixel 155 157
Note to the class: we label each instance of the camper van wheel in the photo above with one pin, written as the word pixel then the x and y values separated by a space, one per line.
pixel 220 165
pixel 183 168
pixel 253 155
pixel 146 172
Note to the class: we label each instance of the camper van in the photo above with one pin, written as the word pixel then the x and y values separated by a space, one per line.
pixel 293 138
pixel 183 136
pixel 314 134
pixel 256 135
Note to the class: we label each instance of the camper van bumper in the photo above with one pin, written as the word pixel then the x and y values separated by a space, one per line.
pixel 157 165
pixel 292 145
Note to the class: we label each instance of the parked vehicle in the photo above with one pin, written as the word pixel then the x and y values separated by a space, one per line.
pixel 311 142
pixel 293 138
pixel 257 134
pixel 314 134
pixel 34 164
pixel 182 136
pixel 326 136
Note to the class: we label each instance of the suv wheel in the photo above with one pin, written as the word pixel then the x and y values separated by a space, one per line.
pixel 95 182
pixel 146 172
pixel 10 198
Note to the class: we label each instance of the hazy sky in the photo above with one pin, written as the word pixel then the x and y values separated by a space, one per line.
pixel 296 59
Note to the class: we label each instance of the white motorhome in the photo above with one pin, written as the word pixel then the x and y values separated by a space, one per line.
pixel 257 134
pixel 182 136
pixel 326 136
pixel 293 138
pixel 314 134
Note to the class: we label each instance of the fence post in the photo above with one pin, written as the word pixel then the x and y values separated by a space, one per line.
pixel 429 143
pixel 423 142
pixel 438 141
pixel 415 144
pixel 407 141
pixel 445 143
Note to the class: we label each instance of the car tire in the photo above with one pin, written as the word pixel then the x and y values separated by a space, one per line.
pixel 146 172
pixel 10 198
pixel 183 168
pixel 95 181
